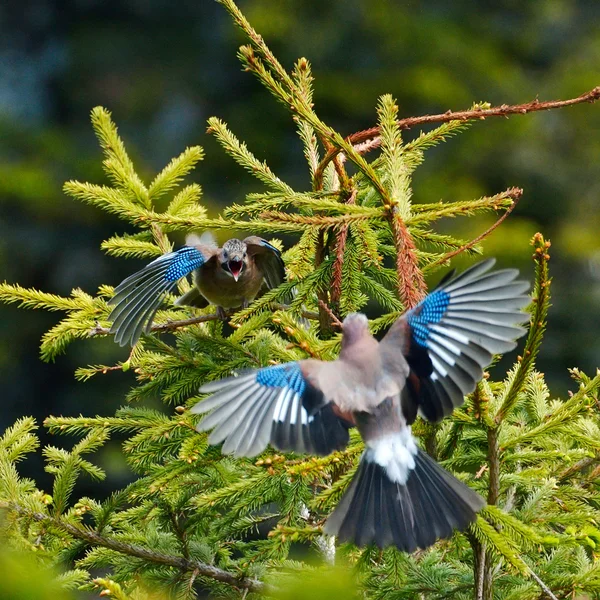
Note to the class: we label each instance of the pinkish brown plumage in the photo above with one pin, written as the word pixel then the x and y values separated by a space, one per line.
pixel 429 359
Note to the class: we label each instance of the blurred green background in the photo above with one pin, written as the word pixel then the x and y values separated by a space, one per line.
pixel 164 67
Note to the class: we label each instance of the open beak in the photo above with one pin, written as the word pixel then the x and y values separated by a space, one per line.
pixel 235 268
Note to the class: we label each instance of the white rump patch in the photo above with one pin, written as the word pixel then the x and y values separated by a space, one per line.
pixel 396 453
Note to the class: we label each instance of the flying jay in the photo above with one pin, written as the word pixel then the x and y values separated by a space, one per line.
pixel 429 359
pixel 228 277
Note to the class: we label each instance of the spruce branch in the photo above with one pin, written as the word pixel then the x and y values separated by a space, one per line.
pixel 179 562
pixel 259 59
pixel 340 248
pixel 370 139
pixel 411 283
pixel 117 164
pixel 178 324
pixel 304 79
pixel 536 330
pixel 515 194
pixel 426 213
pixel 240 153
pixel 171 176
pixel 321 221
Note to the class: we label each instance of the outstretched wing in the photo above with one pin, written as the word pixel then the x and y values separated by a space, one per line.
pixel 138 297
pixel 277 405
pixel 268 260
pixel 452 334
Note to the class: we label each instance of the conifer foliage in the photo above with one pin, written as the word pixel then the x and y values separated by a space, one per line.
pixel 194 522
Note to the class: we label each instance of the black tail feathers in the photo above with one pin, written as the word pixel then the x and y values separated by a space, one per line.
pixel 428 507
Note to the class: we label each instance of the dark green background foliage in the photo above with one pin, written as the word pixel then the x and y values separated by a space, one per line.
pixel 163 71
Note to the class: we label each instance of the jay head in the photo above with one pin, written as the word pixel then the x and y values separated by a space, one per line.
pixel 427 362
pixel 233 258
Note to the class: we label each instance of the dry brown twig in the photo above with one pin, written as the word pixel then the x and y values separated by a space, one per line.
pixel 516 194
pixel 335 321
pixel 368 139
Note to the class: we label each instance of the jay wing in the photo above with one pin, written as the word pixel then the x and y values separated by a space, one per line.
pixel 277 405
pixel 450 337
pixel 268 260
pixel 138 297
pixel 399 495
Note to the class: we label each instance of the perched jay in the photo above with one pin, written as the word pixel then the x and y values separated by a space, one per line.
pixel 229 277
pixel 430 358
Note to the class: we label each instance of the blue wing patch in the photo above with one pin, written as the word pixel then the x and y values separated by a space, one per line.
pixel 284 376
pixel 274 404
pixel 138 297
pixel 428 312
pixel 183 262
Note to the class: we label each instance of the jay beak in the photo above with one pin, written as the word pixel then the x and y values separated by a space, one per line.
pixel 228 277
pixel 430 358
pixel 235 268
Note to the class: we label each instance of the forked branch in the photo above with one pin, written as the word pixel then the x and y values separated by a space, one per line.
pixel 368 139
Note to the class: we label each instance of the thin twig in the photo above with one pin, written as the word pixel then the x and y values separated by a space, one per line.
pixel 334 320
pixel 480 114
pixel 178 562
pixel 371 140
pixel 516 194
pixel 580 465
pixel 544 587
pixel 171 325
pixel 340 249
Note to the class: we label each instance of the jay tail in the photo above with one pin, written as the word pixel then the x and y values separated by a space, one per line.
pixel 430 358
pixel 228 277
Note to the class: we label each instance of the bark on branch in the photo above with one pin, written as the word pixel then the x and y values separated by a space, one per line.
pixel 172 325
pixel 367 140
pixel 178 562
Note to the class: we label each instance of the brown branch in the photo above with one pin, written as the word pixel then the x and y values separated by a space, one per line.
pixel 479 114
pixel 411 284
pixel 340 248
pixel 171 325
pixel 334 320
pixel 178 562
pixel 338 264
pixel 370 137
pixel 580 465
pixel 516 194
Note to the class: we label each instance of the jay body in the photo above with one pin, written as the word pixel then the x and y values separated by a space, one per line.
pixel 228 277
pixel 429 359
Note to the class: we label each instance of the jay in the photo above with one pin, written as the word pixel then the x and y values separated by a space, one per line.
pixel 228 277
pixel 430 358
